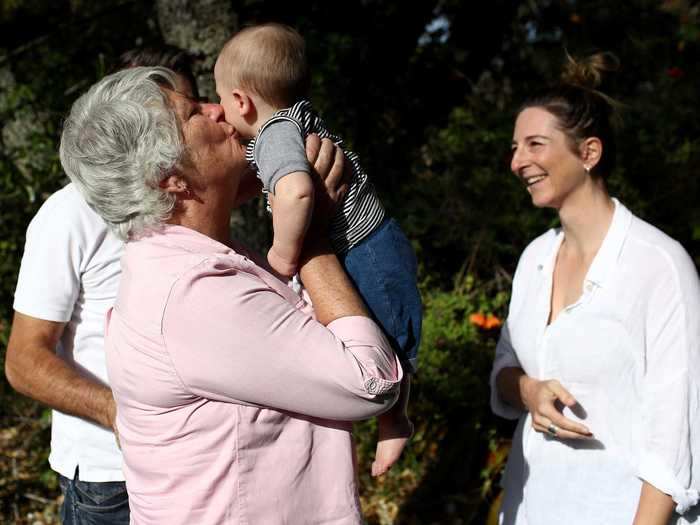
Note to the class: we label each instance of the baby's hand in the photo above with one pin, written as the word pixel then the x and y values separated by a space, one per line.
pixel 394 433
pixel 281 265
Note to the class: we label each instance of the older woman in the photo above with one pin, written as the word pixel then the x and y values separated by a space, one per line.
pixel 600 355
pixel 231 391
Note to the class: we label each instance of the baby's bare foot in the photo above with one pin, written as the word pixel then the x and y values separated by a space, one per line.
pixel 393 436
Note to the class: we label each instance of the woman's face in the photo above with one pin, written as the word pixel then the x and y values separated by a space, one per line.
pixel 215 159
pixel 543 160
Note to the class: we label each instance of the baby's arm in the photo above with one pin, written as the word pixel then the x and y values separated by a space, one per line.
pixel 280 154
pixel 292 206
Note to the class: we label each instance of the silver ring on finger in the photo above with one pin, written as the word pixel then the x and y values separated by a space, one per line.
pixel 552 430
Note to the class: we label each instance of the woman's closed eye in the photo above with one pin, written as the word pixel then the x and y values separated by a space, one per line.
pixel 193 109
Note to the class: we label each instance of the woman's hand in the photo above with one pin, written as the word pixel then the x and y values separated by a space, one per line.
pixel 541 398
pixel 330 176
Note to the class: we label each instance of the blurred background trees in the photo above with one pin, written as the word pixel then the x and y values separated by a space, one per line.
pixel 426 93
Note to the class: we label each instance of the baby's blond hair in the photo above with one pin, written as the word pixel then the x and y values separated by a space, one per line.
pixel 268 59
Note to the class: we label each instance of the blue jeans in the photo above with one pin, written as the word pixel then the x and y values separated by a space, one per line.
pixel 93 503
pixel 383 268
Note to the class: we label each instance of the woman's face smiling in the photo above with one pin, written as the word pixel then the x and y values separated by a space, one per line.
pixel 543 160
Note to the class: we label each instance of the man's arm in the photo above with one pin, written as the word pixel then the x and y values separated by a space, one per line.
pixel 33 369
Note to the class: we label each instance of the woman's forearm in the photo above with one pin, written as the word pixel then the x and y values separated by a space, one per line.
pixel 254 347
pixel 654 508
pixel 512 383
pixel 329 287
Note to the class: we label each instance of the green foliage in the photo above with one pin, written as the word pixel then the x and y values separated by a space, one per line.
pixel 29 171
pixel 440 473
pixel 462 180
pixel 24 476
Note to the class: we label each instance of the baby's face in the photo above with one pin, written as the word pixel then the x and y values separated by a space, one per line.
pixel 224 90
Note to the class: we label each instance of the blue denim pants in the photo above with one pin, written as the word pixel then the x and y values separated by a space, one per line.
pixel 383 268
pixel 93 503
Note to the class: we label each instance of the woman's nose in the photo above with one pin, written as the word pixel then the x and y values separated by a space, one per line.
pixel 213 111
pixel 516 160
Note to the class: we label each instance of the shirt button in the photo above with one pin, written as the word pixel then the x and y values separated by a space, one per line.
pixel 539 267
pixel 589 287
pixel 371 386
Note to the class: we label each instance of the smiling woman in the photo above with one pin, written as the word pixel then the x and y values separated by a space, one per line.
pixel 599 358
pixel 561 130
pixel 545 161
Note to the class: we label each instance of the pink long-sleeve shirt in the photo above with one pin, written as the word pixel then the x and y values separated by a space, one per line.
pixel 201 341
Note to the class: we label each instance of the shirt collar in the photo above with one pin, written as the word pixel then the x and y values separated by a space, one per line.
pixel 548 257
pixel 608 253
pixel 190 240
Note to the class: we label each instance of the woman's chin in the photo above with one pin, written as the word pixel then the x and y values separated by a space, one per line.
pixel 541 199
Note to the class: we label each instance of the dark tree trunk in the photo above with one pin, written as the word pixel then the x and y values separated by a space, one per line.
pixel 201 27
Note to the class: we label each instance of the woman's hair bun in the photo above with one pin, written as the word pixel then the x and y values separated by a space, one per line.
pixel 588 72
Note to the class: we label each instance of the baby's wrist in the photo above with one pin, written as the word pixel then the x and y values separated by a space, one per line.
pixel 281 264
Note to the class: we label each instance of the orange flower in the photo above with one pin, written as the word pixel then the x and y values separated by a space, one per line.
pixel 477 319
pixel 487 322
pixel 492 322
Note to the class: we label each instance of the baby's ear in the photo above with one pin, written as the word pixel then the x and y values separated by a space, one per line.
pixel 242 102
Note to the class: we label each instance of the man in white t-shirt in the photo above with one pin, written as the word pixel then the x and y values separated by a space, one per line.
pixel 67 281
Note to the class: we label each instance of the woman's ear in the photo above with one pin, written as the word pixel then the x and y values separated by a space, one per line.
pixel 591 152
pixel 174 184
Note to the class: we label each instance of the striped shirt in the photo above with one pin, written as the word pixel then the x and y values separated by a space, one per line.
pixel 360 211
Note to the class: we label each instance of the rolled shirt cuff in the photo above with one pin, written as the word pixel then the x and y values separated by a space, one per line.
pixel 364 339
pixel 498 406
pixel 685 500
pixel 653 470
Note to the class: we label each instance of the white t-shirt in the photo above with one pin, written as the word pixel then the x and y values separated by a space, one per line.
pixel 629 352
pixel 70 273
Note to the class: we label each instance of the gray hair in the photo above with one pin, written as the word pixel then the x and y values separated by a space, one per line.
pixel 119 142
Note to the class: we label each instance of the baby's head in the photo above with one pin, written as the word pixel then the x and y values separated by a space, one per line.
pixel 260 70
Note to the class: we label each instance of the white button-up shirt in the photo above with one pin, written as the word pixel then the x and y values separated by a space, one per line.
pixel 628 351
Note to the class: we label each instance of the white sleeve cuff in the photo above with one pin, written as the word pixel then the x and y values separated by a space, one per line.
pixel 653 470
pixel 498 406
pixel 685 500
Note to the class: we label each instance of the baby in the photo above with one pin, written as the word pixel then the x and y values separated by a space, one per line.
pixel 262 78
